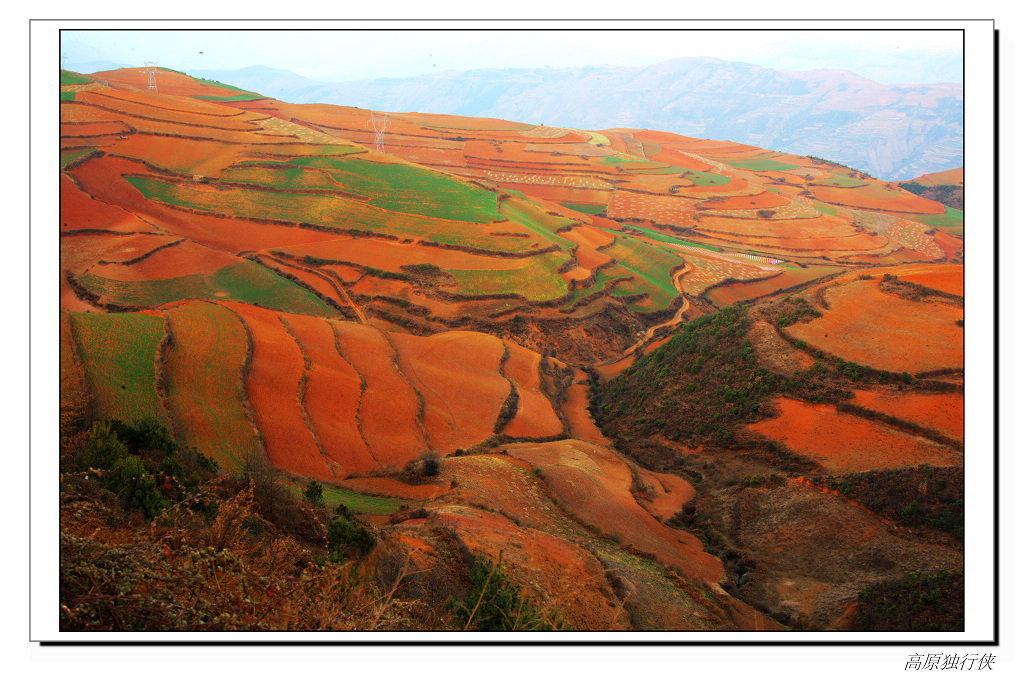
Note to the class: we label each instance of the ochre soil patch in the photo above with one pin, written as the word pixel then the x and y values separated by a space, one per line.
pixel 198 157
pixel 843 443
pixel 951 246
pixel 952 177
pixel 594 483
pixel 168 83
pixel 184 258
pixel 665 210
pixel 457 376
pixel 943 412
pixel 866 326
pixel 534 416
pixel 79 252
pixel 272 385
pixel 609 371
pixel 331 397
pixel 389 406
pixel 203 369
pixel 729 294
pixel 577 413
pixel 670 493
pixel 753 202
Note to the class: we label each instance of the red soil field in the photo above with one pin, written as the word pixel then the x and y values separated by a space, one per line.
pixel 665 210
pixel 389 406
pixel 943 412
pixel 179 111
pixel 577 412
pixel 535 416
pixel 589 240
pixel 456 373
pixel 148 126
pixel 755 201
pixel 199 157
pixel 561 194
pixel 669 495
pixel 98 129
pixel 875 197
pixel 80 211
pixel 952 177
pixel 203 364
pixel 866 326
pixel 609 371
pixel 388 255
pixel 168 82
pixel 272 385
pixel 950 245
pixel 331 398
pixel 594 483
pixel 746 290
pixel 948 278
pixel 819 228
pixel 186 257
pixel 79 252
pixel 843 443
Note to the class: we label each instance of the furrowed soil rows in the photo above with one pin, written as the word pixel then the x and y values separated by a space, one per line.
pixel 198 157
pixel 730 294
pixel 577 412
pixel 457 375
pixel 181 259
pixel 665 210
pixel 871 328
pixel 843 443
pixel 943 412
pixel 876 197
pixel 534 417
pixel 272 385
pixel 204 363
pixel 332 396
pixel 388 410
pixel 948 278
pixel 118 352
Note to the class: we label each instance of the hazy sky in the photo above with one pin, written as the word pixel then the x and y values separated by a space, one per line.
pixel 886 56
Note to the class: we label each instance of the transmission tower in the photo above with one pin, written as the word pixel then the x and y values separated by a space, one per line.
pixel 379 125
pixel 151 75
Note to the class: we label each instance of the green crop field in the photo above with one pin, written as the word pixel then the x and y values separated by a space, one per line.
pixel 69 155
pixel 668 239
pixel 651 266
pixel 241 97
pixel 535 219
pixel 588 208
pixel 355 501
pixel 245 282
pixel 700 179
pixel 841 180
pixel 601 277
pixel 70 78
pixel 760 164
pixel 203 365
pixel 825 208
pixel 952 220
pixel 538 281
pixel 404 188
pixel 118 352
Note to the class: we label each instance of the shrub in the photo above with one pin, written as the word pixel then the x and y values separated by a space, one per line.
pixel 493 604
pixel 344 533
pixel 135 487
pixel 314 493
pixel 103 449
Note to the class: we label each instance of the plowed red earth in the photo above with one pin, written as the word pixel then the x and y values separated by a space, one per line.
pixel 80 211
pixel 186 257
pixel 198 157
pixel 594 483
pixel 534 417
pixel 866 326
pixel 168 83
pixel 762 200
pixel 331 399
pixel 670 493
pixel 843 443
pixel 272 385
pixel 943 412
pixel 456 374
pixel 948 278
pixel 389 406
pixel 951 246
pixel 577 412
pixel 390 255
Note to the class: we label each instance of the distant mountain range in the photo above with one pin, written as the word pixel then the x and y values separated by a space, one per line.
pixel 890 131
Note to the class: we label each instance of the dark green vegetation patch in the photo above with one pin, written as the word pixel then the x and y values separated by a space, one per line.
pixel 920 601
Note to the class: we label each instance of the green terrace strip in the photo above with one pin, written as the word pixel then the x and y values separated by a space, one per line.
pixel 841 180
pixel 652 267
pixel 69 155
pixel 402 188
pixel 952 220
pixel 588 208
pixel 71 78
pixel 118 352
pixel 541 223
pixel 336 212
pixel 601 277
pixel 701 179
pixel 67 96
pixel 245 282
pixel 667 239
pixel 537 280
pixel 241 97
pixel 355 501
pixel 203 364
pixel 760 164
pixel 824 208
